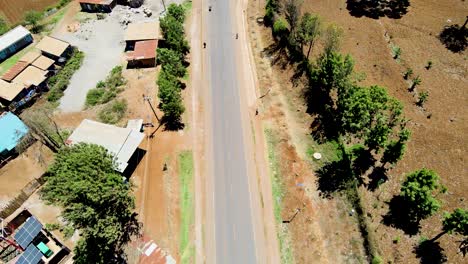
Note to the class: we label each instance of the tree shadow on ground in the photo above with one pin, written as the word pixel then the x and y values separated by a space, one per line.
pixel 277 54
pixel 335 176
pixel 455 38
pixel 430 252
pixel 397 216
pixel 172 124
pixel 377 177
pixel 378 8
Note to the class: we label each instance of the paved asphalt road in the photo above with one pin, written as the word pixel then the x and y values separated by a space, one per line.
pixel 233 219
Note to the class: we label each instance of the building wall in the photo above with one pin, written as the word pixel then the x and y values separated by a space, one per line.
pixel 97 8
pixel 145 63
pixel 15 47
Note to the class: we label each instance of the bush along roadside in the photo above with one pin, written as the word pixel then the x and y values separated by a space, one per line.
pixel 106 90
pixel 173 66
pixel 60 81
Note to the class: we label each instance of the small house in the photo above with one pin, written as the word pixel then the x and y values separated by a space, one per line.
pixel 11 94
pixel 98 6
pixel 13 130
pixel 54 48
pixel 141 41
pixel 121 142
pixel 13 41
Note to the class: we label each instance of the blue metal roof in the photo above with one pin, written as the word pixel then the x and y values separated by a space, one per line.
pixel 28 232
pixel 31 255
pixel 12 129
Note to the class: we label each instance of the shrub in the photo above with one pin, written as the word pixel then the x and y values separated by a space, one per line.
pixel 52 227
pixel 422 98
pixel 280 27
pixel 113 112
pixel 59 82
pixel 416 81
pixel 396 52
pixel 93 97
pixel 377 260
pixel 3 25
pixel 408 73
pixel 429 65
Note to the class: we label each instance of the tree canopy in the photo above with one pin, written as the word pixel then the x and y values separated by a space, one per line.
pixel 456 222
pixel 95 199
pixel 3 25
pixel 171 62
pixel 417 193
pixel 177 12
pixel 310 28
pixel 174 34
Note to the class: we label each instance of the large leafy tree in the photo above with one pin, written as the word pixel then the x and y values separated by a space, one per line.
pixel 308 31
pixel 369 113
pixel 292 11
pixel 177 12
pixel 455 222
pixel 417 193
pixel 332 41
pixel 170 97
pixel 171 62
pixel 32 18
pixel 174 34
pixel 95 199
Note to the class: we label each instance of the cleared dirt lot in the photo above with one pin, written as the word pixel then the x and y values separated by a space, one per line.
pixel 438 131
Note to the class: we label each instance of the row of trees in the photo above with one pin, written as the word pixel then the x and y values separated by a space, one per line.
pixel 173 65
pixel 347 112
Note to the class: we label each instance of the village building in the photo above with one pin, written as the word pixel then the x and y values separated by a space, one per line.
pixel 13 41
pixel 13 130
pixel 54 48
pixel 141 41
pixel 11 94
pixel 32 77
pixel 121 142
pixel 29 242
pixel 101 6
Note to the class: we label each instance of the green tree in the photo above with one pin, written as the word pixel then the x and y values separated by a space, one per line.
pixel 174 34
pixel 309 30
pixel 32 18
pixel 455 222
pixel 3 25
pixel 332 41
pixel 395 150
pixel 171 62
pixel 369 113
pixel 417 193
pixel 177 12
pixel 170 97
pixel 42 127
pixel 271 8
pixel 95 200
pixel 292 9
pixel 280 28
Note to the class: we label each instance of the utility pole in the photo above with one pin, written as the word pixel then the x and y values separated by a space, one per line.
pixel 148 99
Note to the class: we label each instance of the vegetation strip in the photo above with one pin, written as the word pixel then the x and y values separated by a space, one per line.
pixel 187 249
pixel 60 81
pixel 278 195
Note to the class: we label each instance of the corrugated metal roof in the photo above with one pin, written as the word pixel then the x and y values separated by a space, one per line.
pixel 43 63
pixel 120 142
pixel 14 71
pixel 142 31
pixel 53 46
pixel 12 36
pixel 13 129
pixel 9 91
pixel 30 56
pixel 145 49
pixel 31 76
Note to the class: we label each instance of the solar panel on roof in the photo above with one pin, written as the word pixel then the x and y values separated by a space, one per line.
pixel 31 255
pixel 28 232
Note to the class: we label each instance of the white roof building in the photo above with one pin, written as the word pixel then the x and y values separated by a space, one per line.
pixel 120 142
pixel 12 36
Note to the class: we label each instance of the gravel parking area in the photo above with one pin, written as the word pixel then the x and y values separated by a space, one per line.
pixel 102 41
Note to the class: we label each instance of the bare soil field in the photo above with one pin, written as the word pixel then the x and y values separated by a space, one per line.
pixel 438 130
pixel 14 10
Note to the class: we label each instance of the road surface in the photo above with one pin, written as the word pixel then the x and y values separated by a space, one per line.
pixel 234 237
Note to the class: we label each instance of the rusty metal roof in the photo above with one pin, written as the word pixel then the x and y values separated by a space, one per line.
pixel 145 49
pixel 14 71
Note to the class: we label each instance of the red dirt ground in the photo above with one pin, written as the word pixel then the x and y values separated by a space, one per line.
pixel 437 142
pixel 14 10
